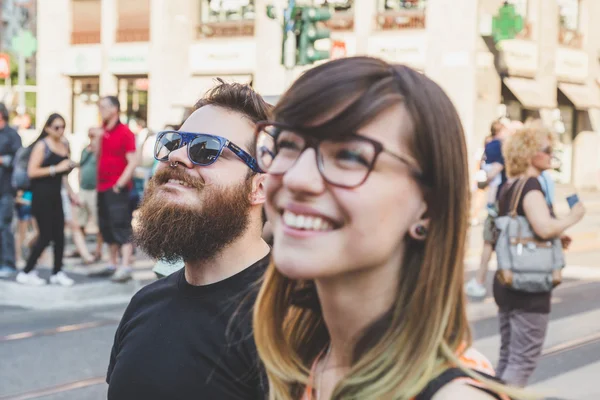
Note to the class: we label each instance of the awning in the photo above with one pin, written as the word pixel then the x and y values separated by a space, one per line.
pixel 529 93
pixel 582 96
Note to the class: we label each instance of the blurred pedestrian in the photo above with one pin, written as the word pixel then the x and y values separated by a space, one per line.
pixel 493 177
pixel 10 143
pixel 49 166
pixel 524 315
pixel 25 226
pixel 117 160
pixel 359 146
pixel 87 211
pixel 189 335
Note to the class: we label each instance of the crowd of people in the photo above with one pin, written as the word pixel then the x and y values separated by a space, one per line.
pixel 36 191
pixel 358 174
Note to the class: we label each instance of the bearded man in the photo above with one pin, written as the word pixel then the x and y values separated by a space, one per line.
pixel 188 335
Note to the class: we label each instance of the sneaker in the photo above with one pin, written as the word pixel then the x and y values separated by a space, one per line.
pixel 122 275
pixel 31 279
pixel 475 289
pixel 60 278
pixel 7 272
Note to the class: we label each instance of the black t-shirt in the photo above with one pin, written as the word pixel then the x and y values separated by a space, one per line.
pixel 178 341
pixel 506 298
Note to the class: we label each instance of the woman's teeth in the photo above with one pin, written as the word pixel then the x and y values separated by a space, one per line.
pixel 306 222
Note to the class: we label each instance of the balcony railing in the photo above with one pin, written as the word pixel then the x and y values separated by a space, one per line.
pixel 404 19
pixel 570 38
pixel 133 35
pixel 85 37
pixel 226 29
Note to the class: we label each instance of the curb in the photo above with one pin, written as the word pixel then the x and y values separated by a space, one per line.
pixel 80 295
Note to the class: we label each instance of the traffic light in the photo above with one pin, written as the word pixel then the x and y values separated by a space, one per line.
pixel 310 33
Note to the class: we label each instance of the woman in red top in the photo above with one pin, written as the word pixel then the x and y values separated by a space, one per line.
pixel 367 194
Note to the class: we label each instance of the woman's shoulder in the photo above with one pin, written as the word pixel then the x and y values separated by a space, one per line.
pixel 462 390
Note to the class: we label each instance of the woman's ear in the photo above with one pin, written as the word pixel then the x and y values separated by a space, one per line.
pixel 419 229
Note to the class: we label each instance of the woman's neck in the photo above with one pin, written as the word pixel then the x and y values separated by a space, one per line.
pixel 352 302
pixel 532 172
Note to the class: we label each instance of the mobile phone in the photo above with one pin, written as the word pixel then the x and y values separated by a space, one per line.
pixel 572 200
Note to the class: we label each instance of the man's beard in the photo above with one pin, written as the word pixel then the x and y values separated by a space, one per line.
pixel 172 232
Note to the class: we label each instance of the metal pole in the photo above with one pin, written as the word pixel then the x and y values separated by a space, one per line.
pixel 21 107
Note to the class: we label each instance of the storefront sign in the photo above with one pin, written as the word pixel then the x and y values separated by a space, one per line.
pixel 572 65
pixel 409 48
pixel 83 60
pixel 216 56
pixel 129 59
pixel 520 57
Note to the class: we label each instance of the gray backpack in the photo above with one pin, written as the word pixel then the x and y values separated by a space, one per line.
pixel 525 262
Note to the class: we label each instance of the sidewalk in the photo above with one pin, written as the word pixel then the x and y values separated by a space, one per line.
pixel 87 290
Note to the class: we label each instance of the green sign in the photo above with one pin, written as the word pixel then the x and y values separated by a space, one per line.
pixel 25 44
pixel 507 24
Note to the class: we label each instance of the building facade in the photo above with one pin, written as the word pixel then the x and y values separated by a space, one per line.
pixel 160 56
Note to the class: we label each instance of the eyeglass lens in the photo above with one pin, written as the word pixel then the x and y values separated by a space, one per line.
pixel 341 162
pixel 202 150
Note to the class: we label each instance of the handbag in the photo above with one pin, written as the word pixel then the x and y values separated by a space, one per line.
pixel 525 262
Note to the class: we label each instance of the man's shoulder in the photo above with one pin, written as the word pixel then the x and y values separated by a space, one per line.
pixel 155 291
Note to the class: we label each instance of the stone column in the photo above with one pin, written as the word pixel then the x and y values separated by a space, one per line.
pixel 545 33
pixel 173 26
pixel 108 34
pixel 53 35
pixel 270 76
pixel 452 38
pixel 365 12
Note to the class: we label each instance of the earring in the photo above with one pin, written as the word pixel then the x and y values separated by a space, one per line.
pixel 421 230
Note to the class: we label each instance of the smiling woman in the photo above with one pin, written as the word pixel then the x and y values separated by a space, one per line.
pixel 367 194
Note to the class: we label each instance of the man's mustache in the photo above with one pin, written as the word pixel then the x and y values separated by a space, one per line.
pixel 163 176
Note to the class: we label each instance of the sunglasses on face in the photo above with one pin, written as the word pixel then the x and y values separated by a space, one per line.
pixel 548 150
pixel 344 162
pixel 202 149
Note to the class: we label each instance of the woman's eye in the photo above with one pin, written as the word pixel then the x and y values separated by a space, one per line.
pixel 352 156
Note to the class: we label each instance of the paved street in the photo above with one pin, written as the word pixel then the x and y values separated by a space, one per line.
pixel 62 352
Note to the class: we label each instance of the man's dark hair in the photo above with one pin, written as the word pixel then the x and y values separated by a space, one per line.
pixel 114 100
pixel 496 127
pixel 4 112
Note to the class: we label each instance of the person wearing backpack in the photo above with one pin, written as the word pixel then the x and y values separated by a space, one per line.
pixel 529 251
pixel 10 143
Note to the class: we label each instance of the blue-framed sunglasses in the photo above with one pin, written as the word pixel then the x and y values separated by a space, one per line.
pixel 203 149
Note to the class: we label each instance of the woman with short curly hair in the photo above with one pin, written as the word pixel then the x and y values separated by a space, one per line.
pixel 524 316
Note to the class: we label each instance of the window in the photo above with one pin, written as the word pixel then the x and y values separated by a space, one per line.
pixel 343 14
pixel 401 14
pixel 134 21
pixel 86 21
pixel 226 18
pixel 568 32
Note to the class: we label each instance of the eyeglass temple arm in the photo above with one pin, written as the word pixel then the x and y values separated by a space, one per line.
pixel 247 158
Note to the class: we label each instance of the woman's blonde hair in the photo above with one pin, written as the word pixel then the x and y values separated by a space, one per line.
pixel 420 336
pixel 520 148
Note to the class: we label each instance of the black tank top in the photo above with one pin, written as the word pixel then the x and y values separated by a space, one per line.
pixel 49 185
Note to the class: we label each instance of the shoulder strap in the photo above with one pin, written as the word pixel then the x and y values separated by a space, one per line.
pixel 518 191
pixel 448 376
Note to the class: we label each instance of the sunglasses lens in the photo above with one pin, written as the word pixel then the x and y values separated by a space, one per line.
pixel 204 150
pixel 165 144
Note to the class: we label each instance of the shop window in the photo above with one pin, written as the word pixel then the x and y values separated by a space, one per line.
pixel 569 33
pixel 133 96
pixel 225 18
pixel 86 21
pixel 401 14
pixel 134 21
pixel 86 93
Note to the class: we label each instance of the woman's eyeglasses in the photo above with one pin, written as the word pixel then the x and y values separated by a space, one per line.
pixel 548 150
pixel 202 149
pixel 345 162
